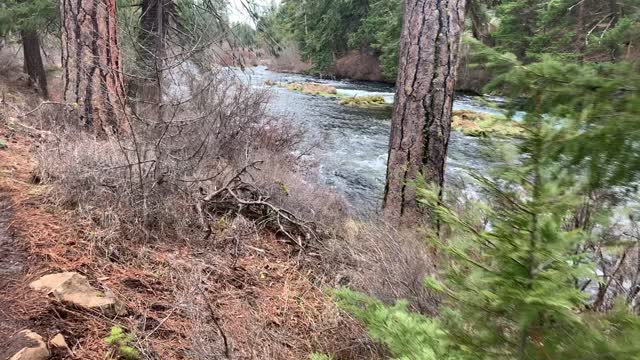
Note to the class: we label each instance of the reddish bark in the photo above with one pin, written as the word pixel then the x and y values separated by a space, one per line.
pixel 424 98
pixel 91 63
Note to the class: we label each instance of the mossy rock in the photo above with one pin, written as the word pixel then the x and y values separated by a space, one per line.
pixel 477 124
pixel 366 102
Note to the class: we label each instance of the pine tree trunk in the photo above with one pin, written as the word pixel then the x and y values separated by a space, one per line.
pixel 581 31
pixel 154 20
pixel 91 63
pixel 33 60
pixel 423 102
pixel 480 26
pixel 154 26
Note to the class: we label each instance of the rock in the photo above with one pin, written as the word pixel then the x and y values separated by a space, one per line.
pixel 59 345
pixel 25 345
pixel 74 288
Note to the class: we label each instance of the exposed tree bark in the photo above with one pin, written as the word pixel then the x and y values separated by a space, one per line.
pixel 154 23
pixel 33 60
pixel 421 122
pixel 480 25
pixel 91 63
pixel 155 18
pixel 581 31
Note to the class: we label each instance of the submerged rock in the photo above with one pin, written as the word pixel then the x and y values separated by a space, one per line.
pixel 74 288
pixel 25 345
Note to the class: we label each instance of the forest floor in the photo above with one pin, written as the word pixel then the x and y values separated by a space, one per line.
pixel 260 300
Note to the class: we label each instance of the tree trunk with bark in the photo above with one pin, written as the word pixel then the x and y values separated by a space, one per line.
pixel 154 25
pixel 91 61
pixel 421 121
pixel 33 60
pixel 155 16
pixel 581 31
pixel 480 23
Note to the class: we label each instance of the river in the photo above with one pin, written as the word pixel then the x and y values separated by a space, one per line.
pixel 351 153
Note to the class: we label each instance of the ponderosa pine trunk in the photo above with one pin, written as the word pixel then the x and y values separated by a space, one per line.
pixel 421 121
pixel 154 25
pixel 581 31
pixel 33 65
pixel 480 23
pixel 91 61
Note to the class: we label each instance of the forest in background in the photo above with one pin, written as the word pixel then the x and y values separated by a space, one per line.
pixel 324 32
pixel 131 155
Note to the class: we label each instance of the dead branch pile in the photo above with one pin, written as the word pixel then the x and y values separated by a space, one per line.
pixel 239 197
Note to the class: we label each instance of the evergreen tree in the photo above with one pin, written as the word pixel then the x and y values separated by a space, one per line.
pixel 28 18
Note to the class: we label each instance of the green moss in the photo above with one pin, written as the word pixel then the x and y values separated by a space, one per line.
pixel 307 88
pixel 366 102
pixel 476 124
pixel 122 344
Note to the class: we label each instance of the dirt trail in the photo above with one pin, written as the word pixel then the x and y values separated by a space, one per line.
pixel 12 256
pixel 13 260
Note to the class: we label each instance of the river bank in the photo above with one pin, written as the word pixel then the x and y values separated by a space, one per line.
pixel 359 65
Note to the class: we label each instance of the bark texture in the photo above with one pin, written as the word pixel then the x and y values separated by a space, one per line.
pixel 91 63
pixel 154 21
pixel 423 102
pixel 480 23
pixel 33 60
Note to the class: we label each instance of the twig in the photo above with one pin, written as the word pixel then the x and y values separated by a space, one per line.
pixel 227 350
pixel 159 324
pixel 40 105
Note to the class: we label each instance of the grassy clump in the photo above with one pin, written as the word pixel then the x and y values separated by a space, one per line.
pixel 121 344
pixel 472 123
pixel 366 102
pixel 306 88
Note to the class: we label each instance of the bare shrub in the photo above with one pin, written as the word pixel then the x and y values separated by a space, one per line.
pixel 288 60
pixel 8 61
pixel 388 263
pixel 146 183
pixel 359 65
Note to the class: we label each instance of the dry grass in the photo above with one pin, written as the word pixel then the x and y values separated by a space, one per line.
pixel 387 263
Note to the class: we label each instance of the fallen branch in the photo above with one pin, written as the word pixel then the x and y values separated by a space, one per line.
pixel 214 317
pixel 40 105
pixel 241 198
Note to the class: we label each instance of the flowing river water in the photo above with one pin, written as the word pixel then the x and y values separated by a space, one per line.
pixel 352 143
